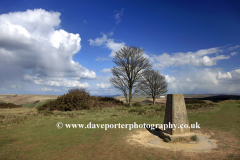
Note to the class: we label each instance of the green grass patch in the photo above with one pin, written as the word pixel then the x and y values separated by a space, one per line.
pixel 227 118
pixel 1 101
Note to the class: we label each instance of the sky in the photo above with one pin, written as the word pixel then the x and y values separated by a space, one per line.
pixel 48 47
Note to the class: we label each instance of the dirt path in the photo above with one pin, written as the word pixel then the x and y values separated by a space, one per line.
pixel 145 138
pixel 212 145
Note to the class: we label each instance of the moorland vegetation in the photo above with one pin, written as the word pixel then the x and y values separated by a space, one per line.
pixel 79 99
pixel 36 130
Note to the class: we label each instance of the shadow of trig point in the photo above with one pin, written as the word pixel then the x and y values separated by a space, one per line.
pixel 176 114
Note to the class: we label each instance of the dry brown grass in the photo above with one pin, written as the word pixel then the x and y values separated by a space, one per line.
pixel 23 99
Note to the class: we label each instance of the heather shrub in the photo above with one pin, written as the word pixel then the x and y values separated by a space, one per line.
pixel 194 138
pixel 78 89
pixel 9 105
pixel 79 99
pixel 110 99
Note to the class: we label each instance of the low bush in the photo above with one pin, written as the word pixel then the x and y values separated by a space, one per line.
pixel 110 99
pixel 9 105
pixel 194 138
pixel 136 104
pixel 79 99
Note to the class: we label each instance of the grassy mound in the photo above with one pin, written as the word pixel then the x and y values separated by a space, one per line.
pixel 9 105
pixel 79 99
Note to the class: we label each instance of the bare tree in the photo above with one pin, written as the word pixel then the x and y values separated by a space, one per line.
pixel 153 83
pixel 119 84
pixel 130 63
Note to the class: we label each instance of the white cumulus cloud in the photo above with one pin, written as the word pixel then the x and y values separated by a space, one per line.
pixel 234 53
pixel 224 76
pixel 49 89
pixel 106 70
pixel 199 58
pixel 46 89
pixel 188 80
pixel 206 81
pixel 55 81
pixel 232 48
pixel 99 41
pixel 31 44
pixel 237 70
pixel 103 85
pixel 109 43
pixel 205 61
pixel 169 79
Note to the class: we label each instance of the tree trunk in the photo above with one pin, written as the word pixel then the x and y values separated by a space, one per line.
pixel 125 94
pixel 130 96
pixel 153 100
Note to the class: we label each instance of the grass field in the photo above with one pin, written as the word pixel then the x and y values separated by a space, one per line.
pixel 27 134
pixel 32 105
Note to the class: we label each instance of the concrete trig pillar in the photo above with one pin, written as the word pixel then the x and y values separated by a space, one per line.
pixel 176 113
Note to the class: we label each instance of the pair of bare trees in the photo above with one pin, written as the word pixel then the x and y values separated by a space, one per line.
pixel 133 74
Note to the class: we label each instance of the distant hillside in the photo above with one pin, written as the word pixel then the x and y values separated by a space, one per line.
pixel 218 98
pixel 212 97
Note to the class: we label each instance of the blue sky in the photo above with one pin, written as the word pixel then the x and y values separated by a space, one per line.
pixel 48 47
